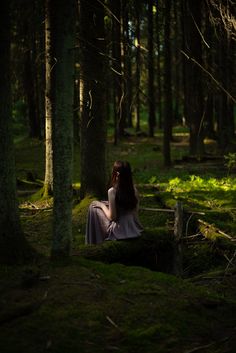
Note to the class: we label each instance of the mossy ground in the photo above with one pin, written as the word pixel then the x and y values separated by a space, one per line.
pixel 89 306
pixel 92 307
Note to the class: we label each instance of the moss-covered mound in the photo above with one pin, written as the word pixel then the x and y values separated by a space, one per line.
pixel 89 307
pixel 153 250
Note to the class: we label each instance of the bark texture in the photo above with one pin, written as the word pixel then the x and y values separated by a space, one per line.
pixel 93 93
pixel 63 42
pixel 193 75
pixel 48 181
pixel 13 247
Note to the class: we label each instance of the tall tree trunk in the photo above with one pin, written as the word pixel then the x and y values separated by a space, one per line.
pixel 13 246
pixel 176 65
pixel 159 71
pixel 127 66
pixel 167 87
pixel 62 22
pixel 30 90
pixel 209 92
pixel 76 107
pixel 117 70
pixel 193 79
pixel 231 88
pixel 137 69
pixel 30 78
pixel 39 8
pixel 225 122
pixel 49 62
pixel 208 114
pixel 151 95
pixel 76 111
pixel 93 93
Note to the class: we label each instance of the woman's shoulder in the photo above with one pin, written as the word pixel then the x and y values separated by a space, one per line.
pixel 112 191
pixel 112 194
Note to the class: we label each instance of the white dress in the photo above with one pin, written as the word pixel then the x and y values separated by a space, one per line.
pixel 100 228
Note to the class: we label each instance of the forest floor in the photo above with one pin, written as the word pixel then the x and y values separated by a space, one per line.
pixel 83 305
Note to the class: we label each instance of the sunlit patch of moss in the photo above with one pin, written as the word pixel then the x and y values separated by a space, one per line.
pixel 38 195
pixel 194 183
pixel 215 197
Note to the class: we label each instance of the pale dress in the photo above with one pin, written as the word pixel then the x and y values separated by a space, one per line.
pixel 99 228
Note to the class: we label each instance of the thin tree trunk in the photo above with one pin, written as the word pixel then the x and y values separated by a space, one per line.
pixel 209 92
pixel 30 78
pixel 29 85
pixel 49 62
pixel 76 111
pixel 93 93
pixel 193 79
pixel 167 87
pixel 40 71
pixel 232 72
pixel 137 71
pixel 151 100
pixel 62 16
pixel 159 71
pixel 176 71
pixel 117 70
pixel 127 66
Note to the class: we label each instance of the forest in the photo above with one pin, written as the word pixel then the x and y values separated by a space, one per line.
pixel 88 82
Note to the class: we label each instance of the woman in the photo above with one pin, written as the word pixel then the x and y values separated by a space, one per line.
pixel 116 219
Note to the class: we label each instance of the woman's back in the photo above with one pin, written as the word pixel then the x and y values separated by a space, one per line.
pixel 117 218
pixel 127 224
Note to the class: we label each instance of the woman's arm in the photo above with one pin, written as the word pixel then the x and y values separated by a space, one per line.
pixel 109 211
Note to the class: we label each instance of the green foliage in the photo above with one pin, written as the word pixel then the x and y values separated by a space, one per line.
pixel 203 192
pixel 194 183
pixel 230 160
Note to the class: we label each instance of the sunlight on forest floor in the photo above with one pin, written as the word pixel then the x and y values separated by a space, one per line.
pixel 194 183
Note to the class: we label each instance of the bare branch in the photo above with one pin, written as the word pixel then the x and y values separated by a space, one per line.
pixel 210 75
pixel 198 29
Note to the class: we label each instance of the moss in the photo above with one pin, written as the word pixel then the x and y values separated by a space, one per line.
pixel 94 307
pixel 105 305
pixel 154 250
pixel 79 217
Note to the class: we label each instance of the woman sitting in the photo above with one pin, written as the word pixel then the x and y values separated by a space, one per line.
pixel 116 218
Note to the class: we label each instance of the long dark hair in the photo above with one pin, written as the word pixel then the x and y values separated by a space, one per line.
pixel 122 180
